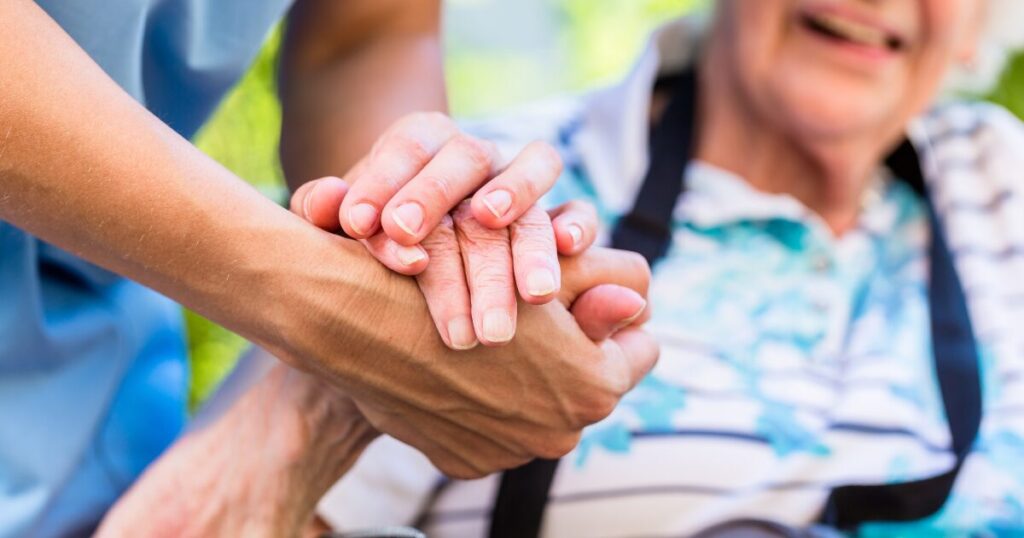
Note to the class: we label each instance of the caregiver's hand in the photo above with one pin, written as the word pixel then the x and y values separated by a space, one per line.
pixel 477 411
pixel 425 166
pixel 465 309
pixel 148 205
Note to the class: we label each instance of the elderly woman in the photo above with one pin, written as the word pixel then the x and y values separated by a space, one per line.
pixel 836 289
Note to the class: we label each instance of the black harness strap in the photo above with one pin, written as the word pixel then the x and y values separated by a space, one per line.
pixel 523 493
pixel 956 366
pixel 647 229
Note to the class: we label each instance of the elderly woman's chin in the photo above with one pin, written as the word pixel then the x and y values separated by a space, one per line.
pixel 823 111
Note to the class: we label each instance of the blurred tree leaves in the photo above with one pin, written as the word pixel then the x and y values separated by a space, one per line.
pixel 242 135
pixel 1010 90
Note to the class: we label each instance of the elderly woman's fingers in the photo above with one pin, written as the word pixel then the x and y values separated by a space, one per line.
pixel 606 309
pixel 397 157
pixel 575 225
pixel 534 257
pixel 318 201
pixel 443 284
pixel 518 187
pixel 487 259
pixel 459 168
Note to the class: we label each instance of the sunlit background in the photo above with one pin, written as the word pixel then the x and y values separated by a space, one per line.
pixel 498 53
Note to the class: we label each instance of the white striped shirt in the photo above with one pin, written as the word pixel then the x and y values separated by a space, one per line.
pixel 792 361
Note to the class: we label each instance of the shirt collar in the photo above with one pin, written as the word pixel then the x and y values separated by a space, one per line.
pixel 613 137
pixel 613 141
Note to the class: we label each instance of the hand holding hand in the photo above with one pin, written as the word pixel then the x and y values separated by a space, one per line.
pixel 469 266
pixel 490 408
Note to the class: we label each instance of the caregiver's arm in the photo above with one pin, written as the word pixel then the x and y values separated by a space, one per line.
pixel 348 70
pixel 85 167
pixel 260 469
pixel 82 165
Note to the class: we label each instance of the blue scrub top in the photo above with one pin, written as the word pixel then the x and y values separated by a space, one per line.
pixel 93 370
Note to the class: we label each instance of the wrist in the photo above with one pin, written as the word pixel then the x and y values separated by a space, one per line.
pixel 287 278
pixel 258 471
pixel 311 434
pixel 330 306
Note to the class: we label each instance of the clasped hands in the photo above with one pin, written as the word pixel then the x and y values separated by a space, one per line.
pixel 579 346
pixel 362 351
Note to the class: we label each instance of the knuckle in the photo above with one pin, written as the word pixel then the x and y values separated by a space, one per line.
pixel 448 284
pixel 433 119
pixel 637 265
pixel 372 184
pixel 462 215
pixel 555 446
pixel 410 146
pixel 584 209
pixel 531 189
pixel 535 223
pixel 436 189
pixel 597 407
pixel 605 388
pixel 476 151
pixel 442 237
pixel 546 155
pixel 509 460
pixel 489 278
pixel 539 245
pixel 478 470
pixel 458 471
pixel 474 238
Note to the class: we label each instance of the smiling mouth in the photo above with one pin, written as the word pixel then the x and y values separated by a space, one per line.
pixel 845 30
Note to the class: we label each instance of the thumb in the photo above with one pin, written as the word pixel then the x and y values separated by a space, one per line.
pixel 605 309
pixel 319 201
pixel 597 266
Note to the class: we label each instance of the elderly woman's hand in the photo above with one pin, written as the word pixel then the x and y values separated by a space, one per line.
pixel 470 262
pixel 258 470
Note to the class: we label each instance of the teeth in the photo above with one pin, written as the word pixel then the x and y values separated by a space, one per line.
pixel 852 30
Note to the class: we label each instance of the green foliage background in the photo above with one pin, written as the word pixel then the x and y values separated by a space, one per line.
pixel 594 41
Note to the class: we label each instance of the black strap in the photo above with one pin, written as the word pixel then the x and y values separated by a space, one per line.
pixel 523 493
pixel 647 229
pixel 956 366
pixel 522 496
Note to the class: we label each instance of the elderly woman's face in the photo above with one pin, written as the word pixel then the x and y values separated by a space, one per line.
pixel 836 68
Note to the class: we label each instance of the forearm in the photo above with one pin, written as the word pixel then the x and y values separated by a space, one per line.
pixel 85 167
pixel 348 70
pixel 258 471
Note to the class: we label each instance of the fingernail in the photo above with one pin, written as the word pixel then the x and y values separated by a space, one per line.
pixel 460 333
pixel 362 217
pixel 409 217
pixel 629 321
pixel 576 233
pixel 540 282
pixel 307 204
pixel 409 255
pixel 498 326
pixel 498 202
